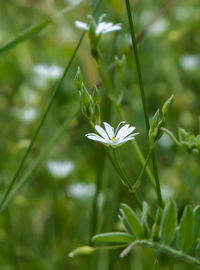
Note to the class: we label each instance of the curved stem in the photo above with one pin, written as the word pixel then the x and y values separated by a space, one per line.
pixel 139 179
pixel 171 135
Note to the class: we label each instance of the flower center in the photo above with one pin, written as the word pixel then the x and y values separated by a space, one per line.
pixel 113 138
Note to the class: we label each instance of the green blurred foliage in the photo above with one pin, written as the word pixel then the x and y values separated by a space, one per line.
pixel 53 214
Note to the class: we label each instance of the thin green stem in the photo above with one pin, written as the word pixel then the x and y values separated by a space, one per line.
pixel 171 135
pixel 123 178
pixel 139 179
pixel 32 31
pixel 47 109
pixel 160 200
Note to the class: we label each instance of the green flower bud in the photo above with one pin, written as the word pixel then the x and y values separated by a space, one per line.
pixel 155 120
pixel 78 79
pixel 82 251
pixel 85 96
pixel 96 96
pixel 167 106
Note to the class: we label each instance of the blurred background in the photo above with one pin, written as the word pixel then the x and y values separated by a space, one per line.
pixel 57 210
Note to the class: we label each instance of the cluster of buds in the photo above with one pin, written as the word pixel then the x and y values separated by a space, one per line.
pixel 90 104
pixel 157 122
pixel 189 142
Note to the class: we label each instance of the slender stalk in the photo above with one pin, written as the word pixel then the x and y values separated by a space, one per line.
pixel 160 200
pixel 124 179
pixel 139 179
pixel 171 135
pixel 32 31
pixel 47 109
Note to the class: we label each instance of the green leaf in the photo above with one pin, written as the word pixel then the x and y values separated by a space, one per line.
pixel 156 225
pixel 196 212
pixel 113 237
pixel 168 223
pixel 186 230
pixel 132 219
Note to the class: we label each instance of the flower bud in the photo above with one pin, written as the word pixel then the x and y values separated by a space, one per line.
pixel 85 96
pixel 155 120
pixel 82 251
pixel 96 96
pixel 167 106
pixel 78 79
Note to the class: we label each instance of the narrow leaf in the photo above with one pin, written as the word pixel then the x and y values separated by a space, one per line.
pixel 196 212
pixel 186 230
pixel 113 237
pixel 168 223
pixel 133 221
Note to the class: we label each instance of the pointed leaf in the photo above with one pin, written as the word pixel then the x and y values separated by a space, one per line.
pixel 132 219
pixel 186 230
pixel 113 237
pixel 196 212
pixel 168 223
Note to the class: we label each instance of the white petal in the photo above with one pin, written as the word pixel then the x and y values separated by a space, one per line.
pixel 122 122
pixel 102 132
pixel 112 28
pixel 96 138
pixel 109 130
pixel 127 132
pixel 81 25
pixel 121 131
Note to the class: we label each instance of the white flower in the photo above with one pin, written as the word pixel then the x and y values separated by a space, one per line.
pixel 112 138
pixel 101 27
pixel 60 169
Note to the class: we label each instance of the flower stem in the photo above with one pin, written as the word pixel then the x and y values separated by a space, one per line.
pixel 139 179
pixel 171 135
pixel 159 195
pixel 123 178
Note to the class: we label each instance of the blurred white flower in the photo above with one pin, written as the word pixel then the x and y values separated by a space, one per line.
pixel 44 74
pixel 80 189
pixel 101 27
pixel 60 169
pixel 112 138
pixel 159 27
pixel 26 114
pixel 48 72
pixel 190 62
